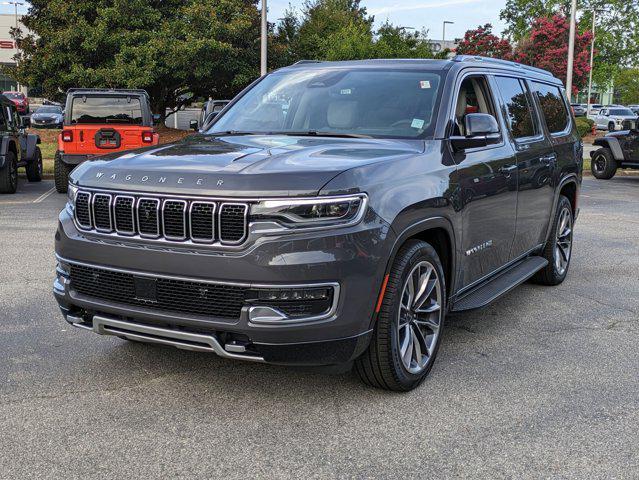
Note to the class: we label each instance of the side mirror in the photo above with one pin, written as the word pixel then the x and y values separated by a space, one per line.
pixel 193 125
pixel 156 118
pixel 481 130
pixel 25 122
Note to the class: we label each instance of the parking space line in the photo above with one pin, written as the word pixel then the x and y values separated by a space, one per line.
pixel 44 195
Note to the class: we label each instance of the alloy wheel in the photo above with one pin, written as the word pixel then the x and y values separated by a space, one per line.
pixel 563 243
pixel 420 315
pixel 599 163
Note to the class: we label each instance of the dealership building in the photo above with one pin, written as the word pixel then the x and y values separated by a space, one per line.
pixel 8 50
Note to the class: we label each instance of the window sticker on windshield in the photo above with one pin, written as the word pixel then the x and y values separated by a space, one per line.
pixel 417 123
pixel 345 91
pixel 424 84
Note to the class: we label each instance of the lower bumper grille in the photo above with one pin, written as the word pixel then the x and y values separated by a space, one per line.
pixel 180 296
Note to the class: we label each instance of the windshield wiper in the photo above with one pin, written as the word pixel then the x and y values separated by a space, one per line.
pixel 317 133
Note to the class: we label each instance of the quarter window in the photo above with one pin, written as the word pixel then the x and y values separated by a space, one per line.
pixel 518 112
pixel 552 106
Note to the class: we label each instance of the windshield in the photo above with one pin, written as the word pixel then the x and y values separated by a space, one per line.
pixel 49 110
pixel 621 111
pixel 90 109
pixel 14 95
pixel 375 102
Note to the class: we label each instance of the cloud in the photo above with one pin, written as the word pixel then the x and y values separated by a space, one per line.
pixel 417 6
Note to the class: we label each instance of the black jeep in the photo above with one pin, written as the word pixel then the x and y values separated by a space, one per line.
pixel 618 150
pixel 18 149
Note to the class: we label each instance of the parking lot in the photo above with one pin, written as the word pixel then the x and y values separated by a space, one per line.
pixel 542 383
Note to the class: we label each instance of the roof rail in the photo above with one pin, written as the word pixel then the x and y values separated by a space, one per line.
pixel 497 61
pixel 138 91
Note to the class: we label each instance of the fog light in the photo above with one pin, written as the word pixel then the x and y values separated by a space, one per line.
pixel 294 294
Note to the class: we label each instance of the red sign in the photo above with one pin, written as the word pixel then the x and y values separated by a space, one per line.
pixel 7 44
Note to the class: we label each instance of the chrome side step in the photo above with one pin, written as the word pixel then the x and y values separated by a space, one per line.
pixel 145 333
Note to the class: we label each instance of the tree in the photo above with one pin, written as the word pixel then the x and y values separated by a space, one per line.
pixel 482 41
pixel 171 48
pixel 627 86
pixel 546 46
pixel 342 30
pixel 617 30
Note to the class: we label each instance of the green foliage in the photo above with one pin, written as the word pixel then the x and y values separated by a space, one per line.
pixel 627 85
pixel 342 30
pixel 584 126
pixel 169 48
pixel 617 29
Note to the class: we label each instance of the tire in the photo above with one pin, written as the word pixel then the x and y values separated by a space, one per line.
pixel 552 274
pixel 34 167
pixel 603 165
pixel 61 173
pixel 382 364
pixel 9 174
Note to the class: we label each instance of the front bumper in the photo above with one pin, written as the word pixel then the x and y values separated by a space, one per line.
pixel 353 259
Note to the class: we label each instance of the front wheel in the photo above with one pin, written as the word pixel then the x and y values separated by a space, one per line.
pixel 558 250
pixel 34 167
pixel 603 165
pixel 407 333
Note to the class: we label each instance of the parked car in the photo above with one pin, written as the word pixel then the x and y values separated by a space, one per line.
pixel 20 100
pixel 578 110
pixel 209 111
pixel 618 150
pixel 634 108
pixel 341 228
pixel 594 109
pixel 612 118
pixel 17 149
pixel 101 121
pixel 47 116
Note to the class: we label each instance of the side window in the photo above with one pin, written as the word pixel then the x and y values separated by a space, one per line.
pixel 519 114
pixel 552 106
pixel 473 97
pixel 9 117
pixel 3 122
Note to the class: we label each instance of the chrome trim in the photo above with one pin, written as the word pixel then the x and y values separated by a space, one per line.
pixel 244 217
pixel 177 338
pixel 110 197
pixel 89 208
pixel 213 222
pixel 137 216
pixel 115 216
pixel 163 209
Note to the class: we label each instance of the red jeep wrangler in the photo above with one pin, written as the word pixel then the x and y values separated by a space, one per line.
pixel 100 121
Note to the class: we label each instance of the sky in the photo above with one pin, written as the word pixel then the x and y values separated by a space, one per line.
pixel 428 14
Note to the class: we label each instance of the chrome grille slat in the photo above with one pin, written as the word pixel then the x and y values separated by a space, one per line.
pixel 166 219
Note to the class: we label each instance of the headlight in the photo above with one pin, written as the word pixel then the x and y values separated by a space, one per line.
pixel 311 212
pixel 72 191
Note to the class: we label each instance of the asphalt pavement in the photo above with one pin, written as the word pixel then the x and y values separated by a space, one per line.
pixel 543 383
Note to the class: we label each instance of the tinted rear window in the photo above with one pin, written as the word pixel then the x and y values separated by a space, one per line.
pixel 552 107
pixel 116 110
pixel 519 113
pixel 620 111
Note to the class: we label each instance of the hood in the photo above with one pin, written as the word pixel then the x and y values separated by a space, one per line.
pixel 241 166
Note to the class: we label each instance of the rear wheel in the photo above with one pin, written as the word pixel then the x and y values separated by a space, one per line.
pixel 61 173
pixel 603 165
pixel 407 334
pixel 34 167
pixel 558 250
pixel 9 174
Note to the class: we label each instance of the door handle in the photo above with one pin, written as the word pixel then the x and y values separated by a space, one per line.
pixel 548 159
pixel 508 170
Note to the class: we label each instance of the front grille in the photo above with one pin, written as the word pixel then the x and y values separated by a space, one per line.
pixel 179 296
pixel 172 219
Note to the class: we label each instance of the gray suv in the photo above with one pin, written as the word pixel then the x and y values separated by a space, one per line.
pixel 333 213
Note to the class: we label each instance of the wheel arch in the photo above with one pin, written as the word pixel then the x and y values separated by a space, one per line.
pixel 612 144
pixel 569 187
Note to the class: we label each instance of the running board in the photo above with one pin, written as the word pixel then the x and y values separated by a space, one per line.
pixel 499 285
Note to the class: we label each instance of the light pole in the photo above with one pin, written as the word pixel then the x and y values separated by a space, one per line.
pixel 592 54
pixel 263 40
pixel 571 48
pixel 444 31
